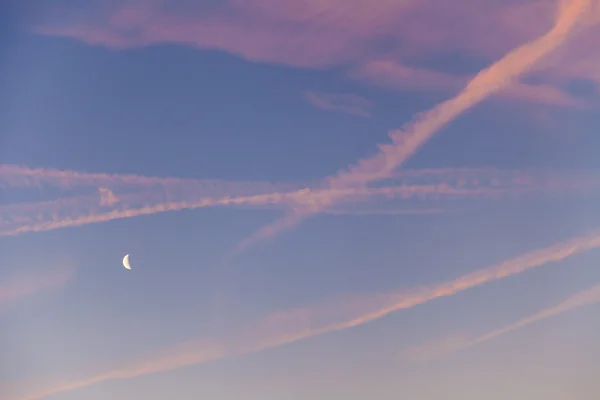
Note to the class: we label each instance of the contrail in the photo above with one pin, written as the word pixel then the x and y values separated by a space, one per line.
pixel 23 176
pixel 409 139
pixel 16 219
pixel 286 327
pixel 16 176
pixel 587 297
pixel 82 210
pixel 434 350
pixel 154 195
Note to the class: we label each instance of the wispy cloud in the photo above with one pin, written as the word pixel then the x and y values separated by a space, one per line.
pixel 308 33
pixel 93 198
pixel 177 357
pixel 342 102
pixel 296 33
pixel 394 75
pixel 314 34
pixel 106 206
pixel 30 284
pixel 447 346
pixel 545 94
pixel 409 139
pixel 17 176
pixel 337 314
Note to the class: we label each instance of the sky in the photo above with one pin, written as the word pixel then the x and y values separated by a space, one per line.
pixel 320 199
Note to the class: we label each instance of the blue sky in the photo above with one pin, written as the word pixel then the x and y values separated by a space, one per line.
pixel 286 267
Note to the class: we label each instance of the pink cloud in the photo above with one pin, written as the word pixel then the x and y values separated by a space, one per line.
pixel 73 211
pixel 544 94
pixel 245 30
pixel 447 346
pixel 124 196
pixel 343 102
pixel 20 176
pixel 413 135
pixel 394 75
pixel 313 32
pixel 333 315
pixel 579 60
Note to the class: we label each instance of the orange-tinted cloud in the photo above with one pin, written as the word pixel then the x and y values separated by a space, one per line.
pixel 30 284
pixel 545 94
pixel 579 63
pixel 447 346
pixel 342 102
pixel 392 74
pixel 409 139
pixel 337 314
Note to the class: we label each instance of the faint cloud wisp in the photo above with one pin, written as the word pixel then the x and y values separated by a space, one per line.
pixel 28 285
pixel 448 346
pixel 334 315
pixel 342 102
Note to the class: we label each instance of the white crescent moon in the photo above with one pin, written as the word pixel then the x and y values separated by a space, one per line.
pixel 126 261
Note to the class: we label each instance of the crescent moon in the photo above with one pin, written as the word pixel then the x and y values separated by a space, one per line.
pixel 126 261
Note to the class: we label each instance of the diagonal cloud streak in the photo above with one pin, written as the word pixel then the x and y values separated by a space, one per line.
pixel 434 350
pixel 110 197
pixel 17 176
pixel 82 210
pixel 290 326
pixel 409 139
pixel 393 74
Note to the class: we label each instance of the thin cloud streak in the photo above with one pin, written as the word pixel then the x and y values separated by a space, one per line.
pixel 82 210
pixel 154 195
pixel 290 326
pixel 442 348
pixel 31 284
pixel 67 212
pixel 185 356
pixel 342 102
pixel 17 176
pixel 22 177
pixel 392 74
pixel 413 136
